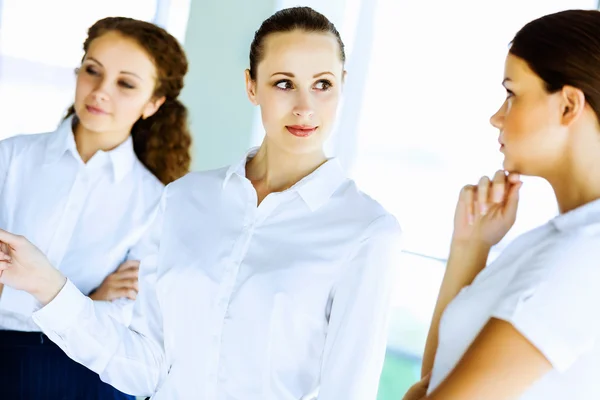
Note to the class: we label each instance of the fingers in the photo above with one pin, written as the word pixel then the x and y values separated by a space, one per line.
pixel 514 178
pixel 498 187
pixel 130 284
pixel 493 193
pixel 130 264
pixel 130 273
pixel 5 257
pixel 482 194
pixel 467 195
pixel 512 200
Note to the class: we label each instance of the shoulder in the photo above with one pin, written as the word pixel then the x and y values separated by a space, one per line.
pixel 365 210
pixel 192 181
pixel 17 143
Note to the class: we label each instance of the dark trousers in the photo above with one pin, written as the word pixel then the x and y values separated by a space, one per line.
pixel 32 367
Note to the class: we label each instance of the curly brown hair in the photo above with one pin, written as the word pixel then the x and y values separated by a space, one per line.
pixel 161 142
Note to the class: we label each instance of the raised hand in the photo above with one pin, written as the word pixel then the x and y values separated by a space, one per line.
pixel 23 266
pixel 485 212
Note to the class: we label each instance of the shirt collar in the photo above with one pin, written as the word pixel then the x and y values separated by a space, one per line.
pixel 61 141
pixel 587 214
pixel 122 158
pixel 315 189
pixel 239 168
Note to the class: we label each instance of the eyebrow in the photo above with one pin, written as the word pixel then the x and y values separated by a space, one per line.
pixel 289 74
pixel 123 72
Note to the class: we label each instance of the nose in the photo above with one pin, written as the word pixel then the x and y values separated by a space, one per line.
pixel 304 107
pixel 497 120
pixel 101 92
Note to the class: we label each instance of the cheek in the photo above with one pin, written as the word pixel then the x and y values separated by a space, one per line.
pixel 328 105
pixel 128 109
pixel 83 88
pixel 520 122
pixel 275 106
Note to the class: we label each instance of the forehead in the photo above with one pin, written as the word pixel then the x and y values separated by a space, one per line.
pixel 115 51
pixel 301 53
pixel 516 69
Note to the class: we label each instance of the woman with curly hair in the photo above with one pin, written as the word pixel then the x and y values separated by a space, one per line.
pixel 86 193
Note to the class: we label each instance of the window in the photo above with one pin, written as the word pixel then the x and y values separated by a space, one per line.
pixel 433 81
pixel 41 45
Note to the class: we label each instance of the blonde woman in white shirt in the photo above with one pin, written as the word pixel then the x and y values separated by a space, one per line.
pixel 271 278
pixel 86 193
pixel 526 326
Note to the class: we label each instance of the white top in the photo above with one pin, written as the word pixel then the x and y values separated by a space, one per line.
pixel 87 218
pixel 274 302
pixel 547 285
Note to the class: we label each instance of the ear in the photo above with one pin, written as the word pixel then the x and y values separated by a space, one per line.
pixel 344 74
pixel 251 88
pixel 152 107
pixel 572 104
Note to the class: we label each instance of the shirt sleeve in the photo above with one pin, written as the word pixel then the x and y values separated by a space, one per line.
pixel 132 359
pixel 553 300
pixel 5 159
pixel 119 309
pixel 358 325
pixel 122 309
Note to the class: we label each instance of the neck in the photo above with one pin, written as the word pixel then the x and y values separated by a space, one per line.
pixel 275 170
pixel 578 181
pixel 89 142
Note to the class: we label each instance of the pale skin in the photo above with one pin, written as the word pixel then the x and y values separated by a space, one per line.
pixel 501 364
pixel 298 83
pixel 115 87
pixel 290 93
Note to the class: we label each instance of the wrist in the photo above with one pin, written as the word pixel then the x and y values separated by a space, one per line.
pixel 468 258
pixel 48 286
pixel 473 246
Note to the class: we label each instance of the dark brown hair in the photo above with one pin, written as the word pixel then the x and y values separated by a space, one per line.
pixel 288 20
pixel 564 49
pixel 162 141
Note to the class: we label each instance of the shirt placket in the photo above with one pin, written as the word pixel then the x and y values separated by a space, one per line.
pixel 73 208
pixel 254 216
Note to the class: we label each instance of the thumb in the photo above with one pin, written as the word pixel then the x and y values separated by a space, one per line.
pixel 512 200
pixel 426 378
pixel 9 239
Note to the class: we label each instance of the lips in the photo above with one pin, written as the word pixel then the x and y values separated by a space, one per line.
pixel 301 130
pixel 95 110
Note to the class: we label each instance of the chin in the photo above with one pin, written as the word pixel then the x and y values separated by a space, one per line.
pixel 509 165
pixel 299 145
pixel 92 124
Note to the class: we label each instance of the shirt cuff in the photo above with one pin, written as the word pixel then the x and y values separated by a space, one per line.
pixel 63 311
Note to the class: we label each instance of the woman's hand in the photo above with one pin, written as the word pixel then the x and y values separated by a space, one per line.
pixel 485 212
pixel 24 267
pixel 121 283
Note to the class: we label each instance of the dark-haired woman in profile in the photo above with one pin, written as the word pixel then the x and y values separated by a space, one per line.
pixel 271 279
pixel 86 194
pixel 526 326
